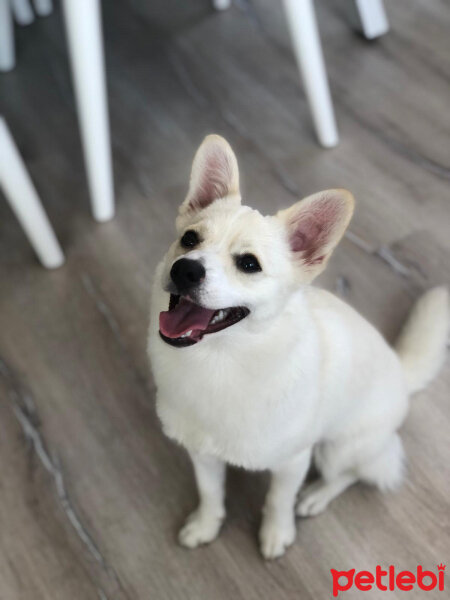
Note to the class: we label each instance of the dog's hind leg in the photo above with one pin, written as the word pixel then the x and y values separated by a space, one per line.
pixel 375 459
pixel 319 494
pixel 385 470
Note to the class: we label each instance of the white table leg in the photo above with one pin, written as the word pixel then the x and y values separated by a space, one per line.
pixel 305 37
pixel 23 13
pixel 221 4
pixel 7 54
pixel 371 18
pixel 43 7
pixel 22 196
pixel 83 24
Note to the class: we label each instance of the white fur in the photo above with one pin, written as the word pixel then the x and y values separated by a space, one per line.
pixel 423 338
pixel 303 375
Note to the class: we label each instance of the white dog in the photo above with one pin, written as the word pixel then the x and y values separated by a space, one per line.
pixel 256 368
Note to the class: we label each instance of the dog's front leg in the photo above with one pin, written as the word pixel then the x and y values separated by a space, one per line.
pixel 278 526
pixel 203 525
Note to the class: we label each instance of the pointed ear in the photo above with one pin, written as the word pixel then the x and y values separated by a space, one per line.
pixel 314 227
pixel 214 175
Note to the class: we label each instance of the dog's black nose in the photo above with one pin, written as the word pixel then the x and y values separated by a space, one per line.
pixel 187 273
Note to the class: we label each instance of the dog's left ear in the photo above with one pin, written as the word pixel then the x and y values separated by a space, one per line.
pixel 214 175
pixel 315 225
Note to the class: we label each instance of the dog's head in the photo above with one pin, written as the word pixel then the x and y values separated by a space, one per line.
pixel 229 262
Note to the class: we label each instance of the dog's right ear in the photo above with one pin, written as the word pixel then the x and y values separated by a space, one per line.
pixel 214 175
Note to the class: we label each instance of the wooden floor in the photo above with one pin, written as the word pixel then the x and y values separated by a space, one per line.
pixel 91 493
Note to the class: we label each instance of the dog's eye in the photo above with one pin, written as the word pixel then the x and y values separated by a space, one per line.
pixel 248 263
pixel 189 239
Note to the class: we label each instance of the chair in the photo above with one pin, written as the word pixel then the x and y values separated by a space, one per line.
pixel 24 201
pixel 369 15
pixel 83 26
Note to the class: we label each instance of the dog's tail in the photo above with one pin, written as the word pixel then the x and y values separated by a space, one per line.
pixel 422 343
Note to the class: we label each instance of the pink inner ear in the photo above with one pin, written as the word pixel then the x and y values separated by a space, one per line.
pixel 310 229
pixel 214 180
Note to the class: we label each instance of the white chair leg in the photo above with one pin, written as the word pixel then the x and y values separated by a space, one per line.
pixel 221 4
pixel 7 54
pixel 305 37
pixel 22 196
pixel 371 18
pixel 83 24
pixel 23 13
pixel 43 7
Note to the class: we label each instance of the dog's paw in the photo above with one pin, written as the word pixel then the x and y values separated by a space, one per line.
pixel 314 500
pixel 276 536
pixel 201 527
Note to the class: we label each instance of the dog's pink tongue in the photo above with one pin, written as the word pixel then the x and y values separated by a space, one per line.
pixel 185 316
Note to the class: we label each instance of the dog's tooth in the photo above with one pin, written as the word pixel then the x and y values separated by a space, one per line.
pixel 220 316
pixel 187 334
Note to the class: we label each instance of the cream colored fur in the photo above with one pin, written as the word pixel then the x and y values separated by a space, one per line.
pixel 303 377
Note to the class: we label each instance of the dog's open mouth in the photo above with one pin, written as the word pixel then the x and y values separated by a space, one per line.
pixel 185 323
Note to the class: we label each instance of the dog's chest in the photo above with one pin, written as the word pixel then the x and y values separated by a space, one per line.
pixel 250 413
